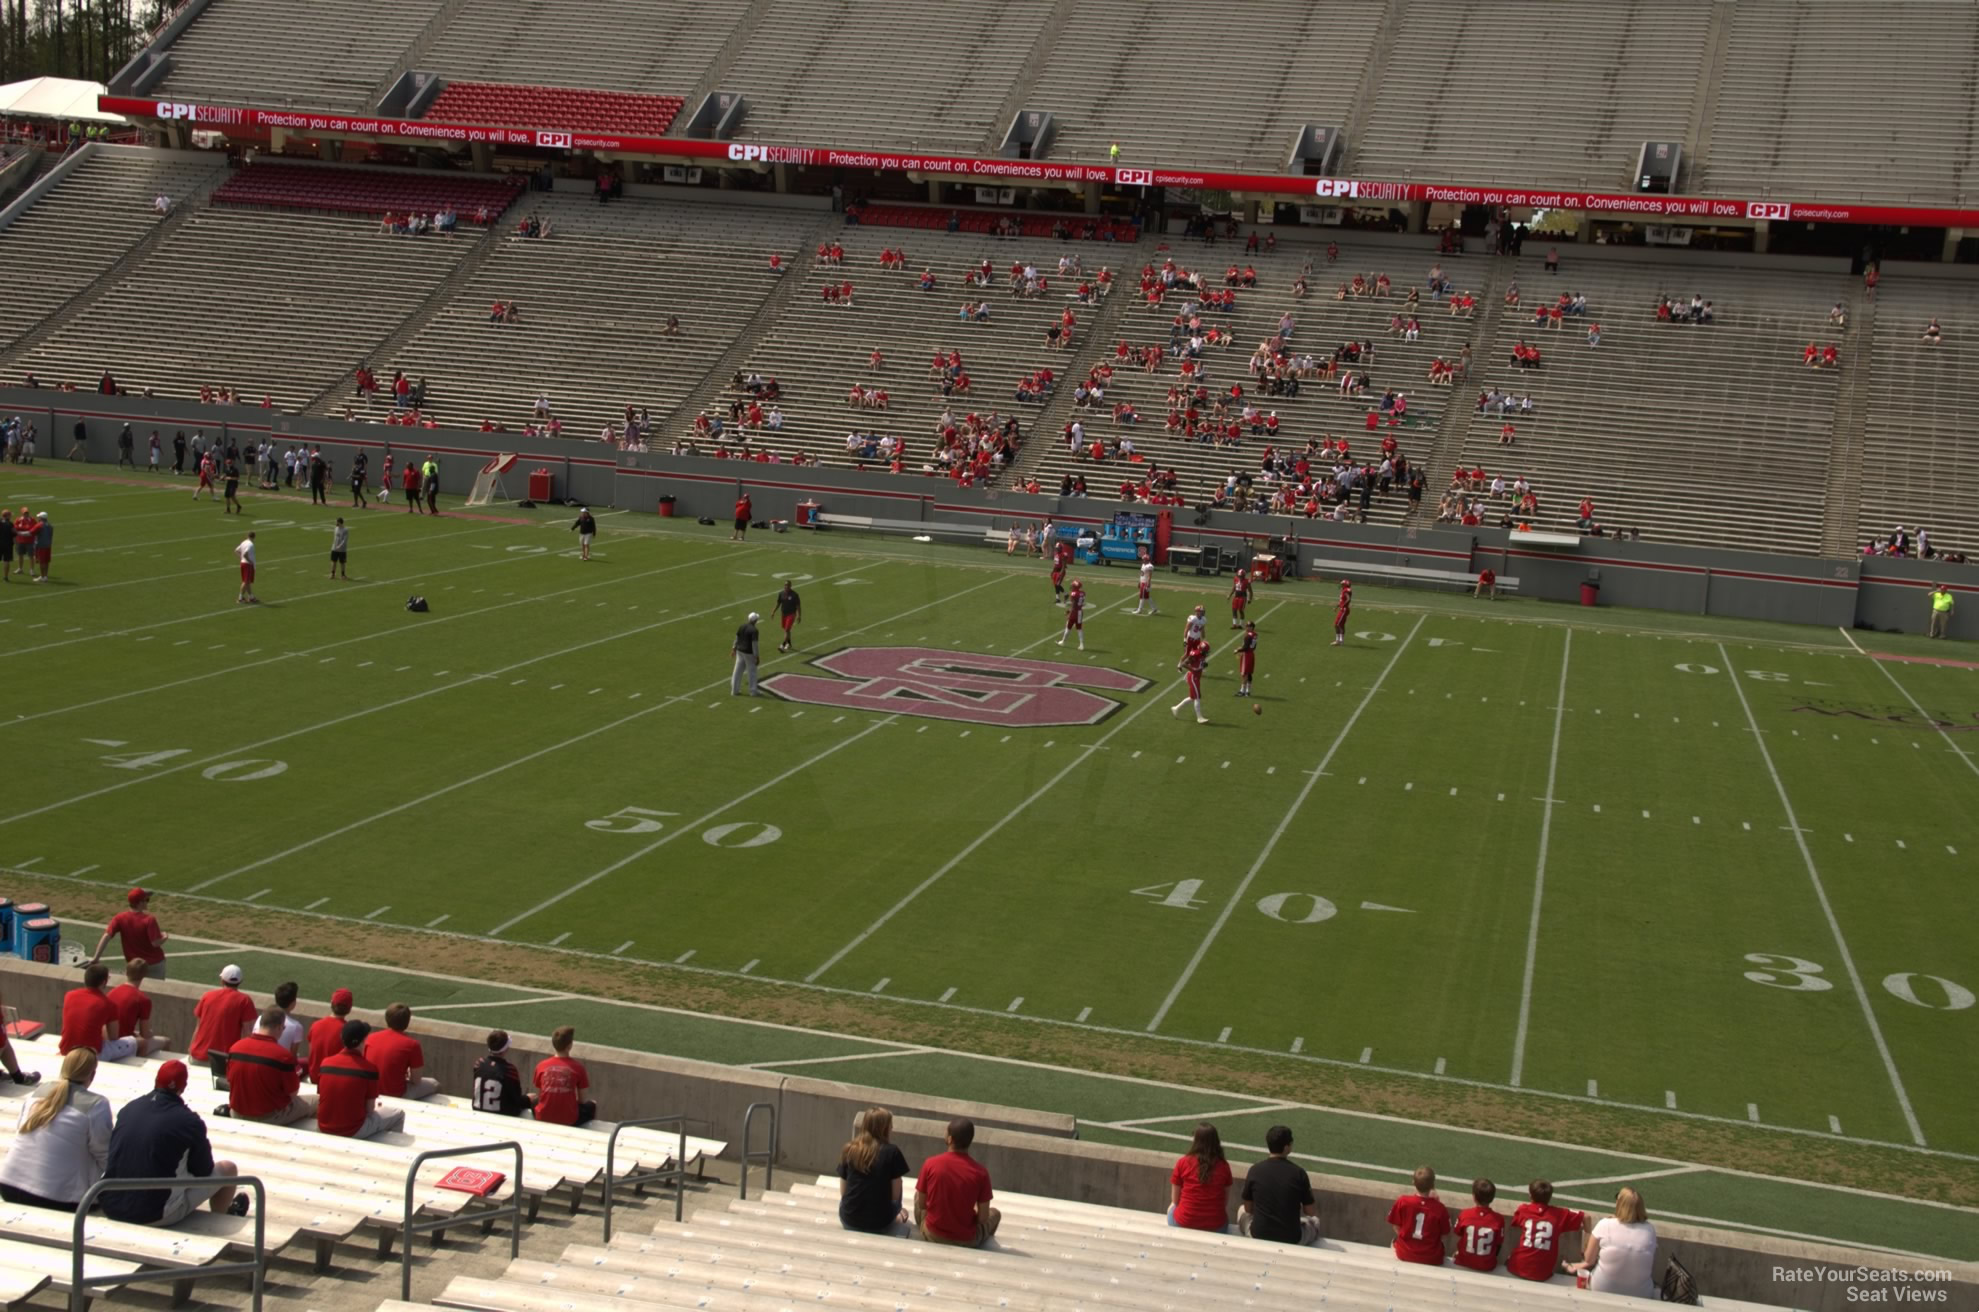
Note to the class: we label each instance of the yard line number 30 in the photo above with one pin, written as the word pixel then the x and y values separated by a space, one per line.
pixel 1799 975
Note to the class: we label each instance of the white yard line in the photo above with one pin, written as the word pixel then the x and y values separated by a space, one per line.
pixel 1539 869
pixel 1827 908
pixel 498 1002
pixel 1928 718
pixel 1284 824
pixel 1852 642
pixel 249 748
pixel 1217 1114
pixel 1085 754
pixel 821 1061
pixel 695 825
pixel 549 749
pixel 1630 1178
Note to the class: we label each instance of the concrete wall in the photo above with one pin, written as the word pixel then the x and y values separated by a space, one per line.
pixel 1886 595
pixel 1026 1152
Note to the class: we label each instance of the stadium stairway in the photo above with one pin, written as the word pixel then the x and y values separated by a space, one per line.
pixel 1106 326
pixel 1455 419
pixel 739 34
pixel 1920 465
pixel 714 384
pixel 1018 97
pixel 1841 528
pixel 421 45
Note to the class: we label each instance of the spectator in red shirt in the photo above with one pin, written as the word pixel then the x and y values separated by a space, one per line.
pixel 221 1017
pixel 138 932
pixel 1199 1186
pixel 1537 1228
pixel 347 1091
pixel 1420 1220
pixel 1487 584
pixel 561 1083
pixel 326 1036
pixel 134 1011
pixel 263 1077
pixel 1480 1231
pixel 952 1195
pixel 89 1021
pixel 399 1058
pixel 743 508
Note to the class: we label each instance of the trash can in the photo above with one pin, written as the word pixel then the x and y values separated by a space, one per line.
pixel 41 940
pixel 1590 594
pixel 6 923
pixel 23 912
pixel 666 507
pixel 542 485
pixel 806 513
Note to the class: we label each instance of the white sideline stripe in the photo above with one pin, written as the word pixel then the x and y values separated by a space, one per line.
pixel 1950 741
pixel 1539 870
pixel 1219 1113
pixel 1834 925
pixel 941 871
pixel 1851 641
pixel 1624 1179
pixel 499 1002
pixel 220 570
pixel 1284 824
pixel 471 780
pixel 695 825
pixel 375 634
pixel 844 1056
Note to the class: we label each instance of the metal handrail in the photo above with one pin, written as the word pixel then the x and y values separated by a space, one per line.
pixel 767 1155
pixel 676 1173
pixel 256 1267
pixel 412 1228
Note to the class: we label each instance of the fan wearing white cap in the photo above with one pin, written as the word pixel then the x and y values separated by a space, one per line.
pixel 223 1017
pixel 745 649
pixel 586 528
pixel 497 1084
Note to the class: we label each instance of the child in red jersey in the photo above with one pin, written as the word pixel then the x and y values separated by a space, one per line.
pixel 1537 1228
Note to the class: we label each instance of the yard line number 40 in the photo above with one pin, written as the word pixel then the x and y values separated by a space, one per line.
pixel 1292 908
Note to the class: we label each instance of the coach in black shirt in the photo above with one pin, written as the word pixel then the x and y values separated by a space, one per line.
pixel 1278 1205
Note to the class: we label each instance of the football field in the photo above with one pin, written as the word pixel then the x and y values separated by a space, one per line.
pixel 1618 871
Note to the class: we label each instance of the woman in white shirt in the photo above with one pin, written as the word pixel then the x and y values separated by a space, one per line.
pixel 1621 1253
pixel 63 1140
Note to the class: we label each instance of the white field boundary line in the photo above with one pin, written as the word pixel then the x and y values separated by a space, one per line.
pixel 499 1002
pixel 1539 868
pixel 1945 733
pixel 378 635
pixel 1851 641
pixel 222 573
pixel 1720 1222
pixel 1827 908
pixel 1284 824
pixel 91 589
pixel 1085 754
pixel 997 1013
pixel 507 764
pixel 1628 1179
pixel 821 1061
pixel 695 825
pixel 1217 1113
pixel 362 712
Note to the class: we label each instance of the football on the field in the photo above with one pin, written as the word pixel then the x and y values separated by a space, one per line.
pixel 1256 709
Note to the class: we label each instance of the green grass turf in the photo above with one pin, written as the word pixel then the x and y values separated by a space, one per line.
pixel 328 752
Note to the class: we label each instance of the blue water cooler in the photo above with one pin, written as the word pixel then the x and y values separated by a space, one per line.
pixel 39 940
pixel 17 923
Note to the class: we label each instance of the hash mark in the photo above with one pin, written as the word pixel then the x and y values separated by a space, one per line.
pixel 1696 821
pixel 1501 797
pixel 1083 1013
pixel 1593 1089
pixel 681 960
pixel 1834 1125
pixel 750 965
pixel 1670 1099
pixel 1224 1037
pixel 1900 846
pixel 946 994
pixel 1271 769
pixel 924 729
pixel 1440 1063
pixel 1746 825
pixel 1015 1003
pixel 1645 815
pixel 317 903
pixel 621 947
pixel 560 938
pixel 1848 838
pixel 1752 1112
pixel 1949 848
pixel 555 686
pixel 1367 1055
pixel 379 912
pixel 881 986
pixel 436 921
pixel 593 693
pixel 1298 1044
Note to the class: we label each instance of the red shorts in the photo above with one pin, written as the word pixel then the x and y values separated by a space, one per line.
pixel 42 555
pixel 1146 588
pixel 1245 664
pixel 1057 576
pixel 1237 603
pixel 1075 619
pixel 788 620
pixel 247 572
pixel 1194 678
pixel 1340 617
pixel 204 481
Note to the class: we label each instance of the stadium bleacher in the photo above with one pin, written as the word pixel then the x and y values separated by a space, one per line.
pixel 555 107
pixel 1919 468
pixel 541 42
pixel 330 54
pixel 367 191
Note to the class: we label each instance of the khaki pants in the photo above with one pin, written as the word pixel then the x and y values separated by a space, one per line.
pixel 1941 623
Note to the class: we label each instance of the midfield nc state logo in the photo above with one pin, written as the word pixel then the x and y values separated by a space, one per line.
pixel 957 685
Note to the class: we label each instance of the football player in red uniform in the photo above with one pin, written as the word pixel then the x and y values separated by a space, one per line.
pixel 1341 612
pixel 1246 658
pixel 1057 579
pixel 1075 614
pixel 1193 660
pixel 1240 597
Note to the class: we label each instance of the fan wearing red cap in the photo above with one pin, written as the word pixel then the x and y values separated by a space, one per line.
pixel 326 1036
pixel 139 935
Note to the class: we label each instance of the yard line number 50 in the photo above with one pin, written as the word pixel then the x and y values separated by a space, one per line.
pixel 1799 975
pixel 645 820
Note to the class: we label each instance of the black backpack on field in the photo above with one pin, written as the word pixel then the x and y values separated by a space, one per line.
pixel 416 604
